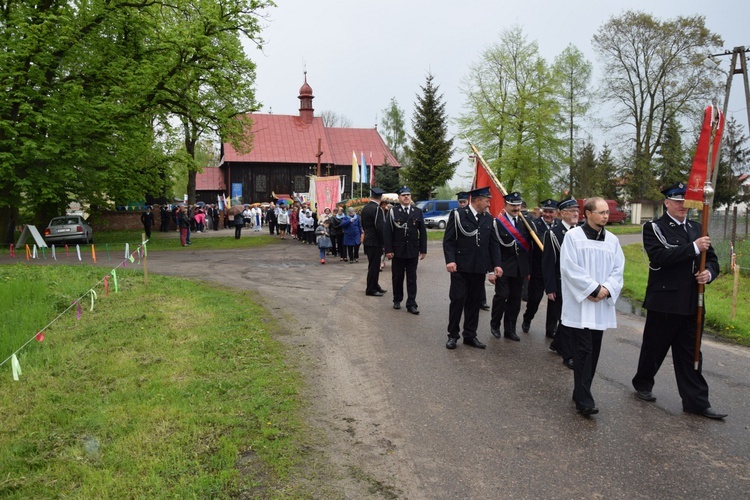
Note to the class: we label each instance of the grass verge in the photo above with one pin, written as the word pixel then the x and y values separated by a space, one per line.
pixel 175 390
pixel 718 297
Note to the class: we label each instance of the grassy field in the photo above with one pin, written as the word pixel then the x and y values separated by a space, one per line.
pixel 114 243
pixel 176 390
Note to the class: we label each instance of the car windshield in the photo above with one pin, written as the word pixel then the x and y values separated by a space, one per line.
pixel 63 221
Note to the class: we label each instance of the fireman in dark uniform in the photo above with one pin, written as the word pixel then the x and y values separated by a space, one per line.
pixel 515 247
pixel 373 220
pixel 536 282
pixel 472 249
pixel 673 245
pixel 405 238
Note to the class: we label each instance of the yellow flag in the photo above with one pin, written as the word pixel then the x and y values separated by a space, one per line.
pixel 355 168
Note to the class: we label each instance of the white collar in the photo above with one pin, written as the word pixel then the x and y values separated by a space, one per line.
pixel 676 221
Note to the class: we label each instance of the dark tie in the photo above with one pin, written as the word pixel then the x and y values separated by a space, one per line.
pixel 515 222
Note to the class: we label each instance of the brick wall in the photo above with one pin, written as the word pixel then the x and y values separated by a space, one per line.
pixel 124 219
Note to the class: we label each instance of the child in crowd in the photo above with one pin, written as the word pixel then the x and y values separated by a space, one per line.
pixel 323 240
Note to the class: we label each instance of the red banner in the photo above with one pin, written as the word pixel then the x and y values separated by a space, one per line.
pixel 327 192
pixel 483 178
pixel 699 171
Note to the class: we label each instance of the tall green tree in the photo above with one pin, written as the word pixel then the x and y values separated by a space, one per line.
pixel 608 174
pixel 588 180
pixel 671 161
pixel 573 74
pixel 430 148
pixel 512 113
pixel 733 161
pixel 90 86
pixel 393 124
pixel 653 72
pixel 387 178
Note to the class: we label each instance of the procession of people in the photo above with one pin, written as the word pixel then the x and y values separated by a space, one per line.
pixel 576 265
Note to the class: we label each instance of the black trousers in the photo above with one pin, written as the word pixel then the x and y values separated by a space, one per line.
pixel 562 341
pixel 399 268
pixel 587 344
pixel 335 246
pixel 506 304
pixel 237 232
pixel 147 229
pixel 271 227
pixel 664 331
pixel 373 268
pixel 466 296
pixel 536 292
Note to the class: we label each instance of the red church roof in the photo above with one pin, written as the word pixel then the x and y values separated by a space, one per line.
pixel 287 139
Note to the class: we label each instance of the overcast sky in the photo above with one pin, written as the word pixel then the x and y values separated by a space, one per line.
pixel 359 55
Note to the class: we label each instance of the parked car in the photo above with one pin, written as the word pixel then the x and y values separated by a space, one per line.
pixel 616 214
pixel 68 229
pixel 438 221
pixel 432 208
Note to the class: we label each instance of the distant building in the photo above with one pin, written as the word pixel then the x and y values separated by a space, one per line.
pixel 284 154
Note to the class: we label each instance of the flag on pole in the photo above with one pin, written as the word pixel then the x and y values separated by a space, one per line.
pixel 364 168
pixel 713 120
pixel 372 171
pixel 484 178
pixel 355 168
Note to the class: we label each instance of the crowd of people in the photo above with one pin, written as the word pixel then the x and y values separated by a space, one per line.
pixel 577 264
pixel 580 267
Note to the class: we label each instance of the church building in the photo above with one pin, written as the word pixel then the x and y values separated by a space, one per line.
pixel 284 153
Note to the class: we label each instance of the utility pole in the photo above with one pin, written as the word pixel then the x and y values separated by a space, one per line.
pixel 738 53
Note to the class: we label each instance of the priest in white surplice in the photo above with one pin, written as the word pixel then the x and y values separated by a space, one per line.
pixel 591 269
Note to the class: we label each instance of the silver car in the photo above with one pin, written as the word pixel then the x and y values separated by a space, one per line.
pixel 68 229
pixel 438 221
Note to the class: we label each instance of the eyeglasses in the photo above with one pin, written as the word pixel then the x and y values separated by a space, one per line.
pixel 603 212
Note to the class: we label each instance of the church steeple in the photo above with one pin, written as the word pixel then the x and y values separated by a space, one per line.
pixel 305 102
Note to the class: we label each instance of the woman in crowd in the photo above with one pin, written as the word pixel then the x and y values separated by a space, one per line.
pixel 282 220
pixel 339 233
pixel 200 219
pixel 324 240
pixel 293 221
pixel 352 235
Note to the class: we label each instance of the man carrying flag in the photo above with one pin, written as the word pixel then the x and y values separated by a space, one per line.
pixel 515 246
pixel 674 245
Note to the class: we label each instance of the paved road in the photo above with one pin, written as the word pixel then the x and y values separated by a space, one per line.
pixel 427 422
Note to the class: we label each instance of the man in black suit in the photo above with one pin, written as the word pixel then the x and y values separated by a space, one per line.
pixel 472 249
pixel 373 221
pixel 674 245
pixel 553 239
pixel 463 202
pixel 405 238
pixel 536 282
pixel 515 247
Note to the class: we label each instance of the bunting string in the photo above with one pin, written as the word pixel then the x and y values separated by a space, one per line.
pixel 91 293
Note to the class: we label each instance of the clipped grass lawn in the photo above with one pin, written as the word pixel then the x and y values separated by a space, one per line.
pixel 178 391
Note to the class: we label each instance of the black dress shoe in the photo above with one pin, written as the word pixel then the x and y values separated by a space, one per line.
pixel 496 332
pixel 589 410
pixel 525 327
pixel 375 294
pixel 645 395
pixel 709 413
pixel 397 305
pixel 382 290
pixel 451 344
pixel 512 336
pixel 550 335
pixel 474 342
pixel 485 306
pixel 412 309
pixel 568 363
